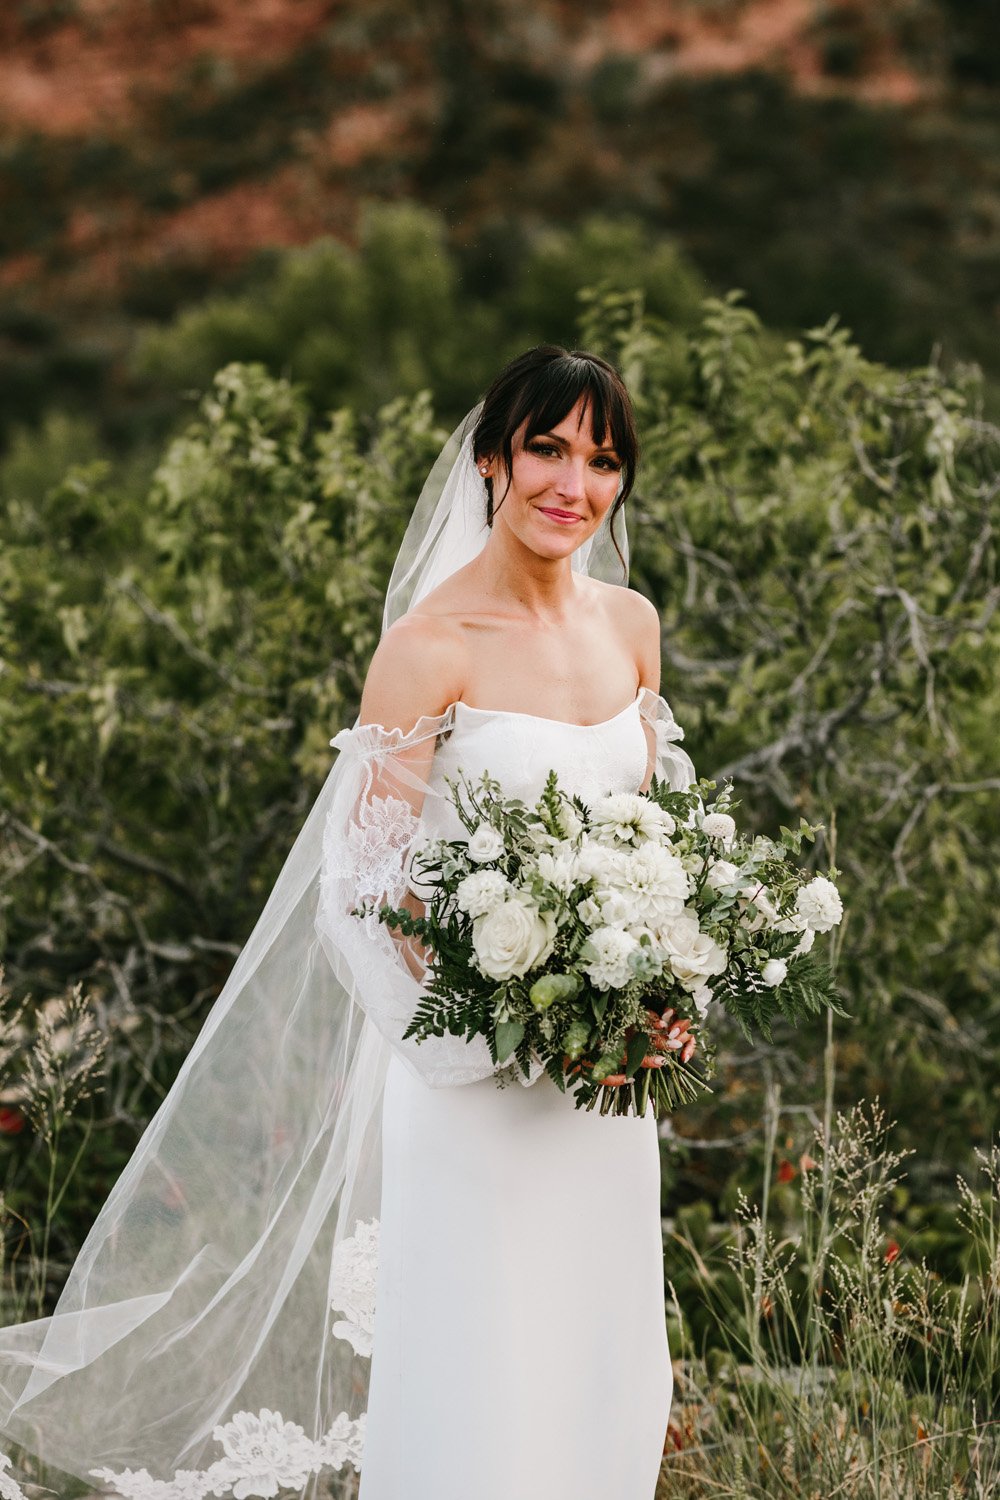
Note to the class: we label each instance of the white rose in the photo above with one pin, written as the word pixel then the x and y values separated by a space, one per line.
pixel 512 938
pixel 607 950
pixel 481 891
pixel 720 826
pixel 722 872
pixel 764 912
pixel 819 904
pixel 774 971
pixel 485 844
pixel 694 955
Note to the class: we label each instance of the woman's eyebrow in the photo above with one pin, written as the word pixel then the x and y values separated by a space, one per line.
pixel 555 438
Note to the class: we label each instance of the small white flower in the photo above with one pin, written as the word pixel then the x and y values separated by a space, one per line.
pixel 606 954
pixel 481 891
pixel 701 998
pixel 558 868
pixel 805 942
pixel 774 971
pixel 570 820
pixel 721 872
pixel 819 904
pixel 513 938
pixel 618 909
pixel 721 826
pixel 589 912
pixel 485 844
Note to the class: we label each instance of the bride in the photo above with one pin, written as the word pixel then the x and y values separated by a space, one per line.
pixel 337 1251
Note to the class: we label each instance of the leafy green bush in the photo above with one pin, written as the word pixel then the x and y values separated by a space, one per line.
pixel 818 532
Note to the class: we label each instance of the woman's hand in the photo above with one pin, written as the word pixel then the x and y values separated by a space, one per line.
pixel 666 1034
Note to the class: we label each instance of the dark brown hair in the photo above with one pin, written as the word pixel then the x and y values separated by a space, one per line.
pixel 542 385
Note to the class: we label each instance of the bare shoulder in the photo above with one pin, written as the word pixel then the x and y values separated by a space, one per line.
pixel 638 619
pixel 419 667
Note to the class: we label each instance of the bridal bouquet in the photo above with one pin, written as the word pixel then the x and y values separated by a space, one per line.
pixel 591 938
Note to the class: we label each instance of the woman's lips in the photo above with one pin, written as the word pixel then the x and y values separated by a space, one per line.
pixel 566 517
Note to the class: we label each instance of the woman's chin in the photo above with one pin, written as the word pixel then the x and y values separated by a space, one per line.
pixel 552 544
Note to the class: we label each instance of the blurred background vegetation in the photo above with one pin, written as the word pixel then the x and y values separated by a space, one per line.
pixel 255 262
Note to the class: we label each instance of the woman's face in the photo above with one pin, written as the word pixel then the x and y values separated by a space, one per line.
pixel 562 486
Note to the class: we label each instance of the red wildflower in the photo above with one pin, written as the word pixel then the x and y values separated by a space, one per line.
pixel 786 1171
pixel 11 1120
pixel 891 1251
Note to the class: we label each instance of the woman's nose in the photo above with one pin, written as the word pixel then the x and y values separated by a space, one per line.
pixel 571 483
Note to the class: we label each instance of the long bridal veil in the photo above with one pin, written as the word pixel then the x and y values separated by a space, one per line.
pixel 214 1334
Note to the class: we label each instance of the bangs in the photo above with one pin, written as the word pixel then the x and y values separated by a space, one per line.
pixel 560 387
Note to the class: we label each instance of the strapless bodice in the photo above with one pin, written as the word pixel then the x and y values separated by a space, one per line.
pixel 520 749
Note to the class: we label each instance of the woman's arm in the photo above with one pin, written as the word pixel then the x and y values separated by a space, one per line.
pixel 643 625
pixel 414 672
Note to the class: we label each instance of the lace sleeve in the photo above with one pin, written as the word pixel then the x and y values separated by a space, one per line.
pixel 666 758
pixel 373 823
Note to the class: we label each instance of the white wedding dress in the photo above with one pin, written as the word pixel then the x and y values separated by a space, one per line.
pixel 520 1348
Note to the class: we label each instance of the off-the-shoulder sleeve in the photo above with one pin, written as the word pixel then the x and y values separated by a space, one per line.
pixel 373 823
pixel 663 733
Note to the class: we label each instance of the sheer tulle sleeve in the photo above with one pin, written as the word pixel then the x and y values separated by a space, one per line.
pixel 372 827
pixel 666 758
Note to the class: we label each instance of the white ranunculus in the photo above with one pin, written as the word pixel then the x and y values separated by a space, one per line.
pixel 627 818
pixel 485 844
pixel 721 872
pixel 694 955
pixel 605 955
pixel 481 891
pixel 774 971
pixel 513 938
pixel 819 904
pixel 720 826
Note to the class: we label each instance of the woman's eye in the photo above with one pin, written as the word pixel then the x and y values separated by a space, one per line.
pixel 544 448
